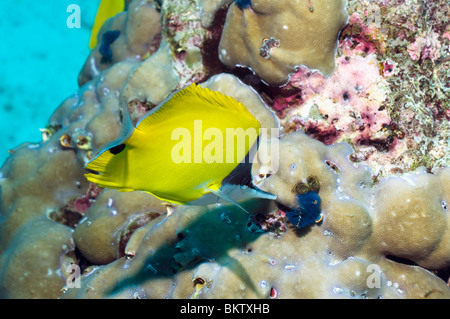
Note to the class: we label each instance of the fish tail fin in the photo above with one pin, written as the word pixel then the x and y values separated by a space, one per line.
pixel 111 165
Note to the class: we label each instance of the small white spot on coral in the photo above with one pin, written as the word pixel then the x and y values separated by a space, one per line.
pixel 285 27
pixel 410 181
pixel 94 69
pixel 272 261
pixel 327 233
pixel 337 290
pixel 289 267
pixel 263 284
pixel 33 146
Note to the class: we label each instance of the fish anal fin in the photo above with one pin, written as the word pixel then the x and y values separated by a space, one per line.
pixel 214 186
pixel 165 199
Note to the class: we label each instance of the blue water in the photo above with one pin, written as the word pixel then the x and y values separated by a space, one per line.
pixel 40 58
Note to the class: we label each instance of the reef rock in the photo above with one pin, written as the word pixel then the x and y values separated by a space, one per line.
pixel 272 38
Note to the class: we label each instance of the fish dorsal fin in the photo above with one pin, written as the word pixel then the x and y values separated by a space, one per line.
pixel 218 99
pixel 190 98
pixel 215 98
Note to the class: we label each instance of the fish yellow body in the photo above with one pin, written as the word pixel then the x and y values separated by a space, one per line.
pixel 182 150
pixel 106 10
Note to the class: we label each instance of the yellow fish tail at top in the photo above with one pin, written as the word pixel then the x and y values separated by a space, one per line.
pixel 106 10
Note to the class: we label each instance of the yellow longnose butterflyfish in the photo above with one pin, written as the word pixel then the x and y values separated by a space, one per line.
pixel 106 10
pixel 183 149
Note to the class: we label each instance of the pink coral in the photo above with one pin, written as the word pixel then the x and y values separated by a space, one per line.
pixel 82 204
pixel 446 34
pixel 358 37
pixel 347 105
pixel 426 46
pixel 388 68
pixel 302 84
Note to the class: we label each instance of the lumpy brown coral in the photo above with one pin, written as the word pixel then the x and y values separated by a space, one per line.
pixel 388 218
pixel 273 38
pixel 358 250
pixel 136 40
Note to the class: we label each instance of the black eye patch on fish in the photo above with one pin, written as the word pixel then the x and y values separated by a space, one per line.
pixel 117 149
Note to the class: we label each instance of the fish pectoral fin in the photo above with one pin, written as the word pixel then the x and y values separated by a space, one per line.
pixel 259 193
pixel 227 198
pixel 246 192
